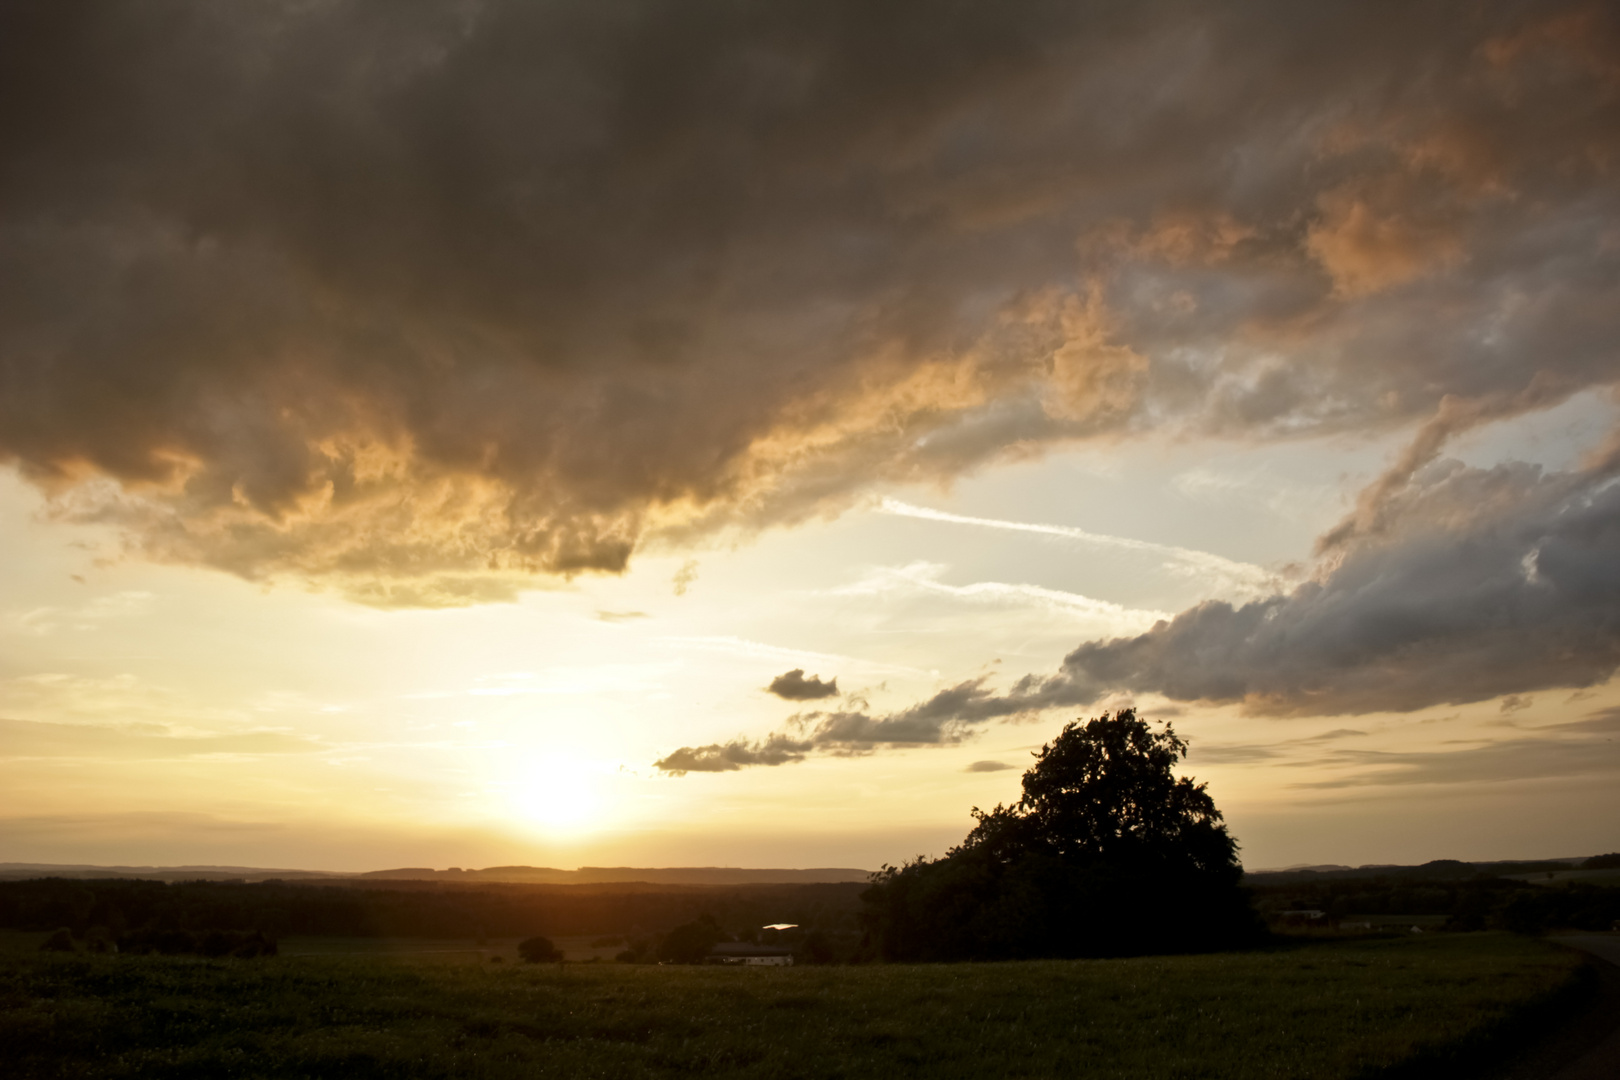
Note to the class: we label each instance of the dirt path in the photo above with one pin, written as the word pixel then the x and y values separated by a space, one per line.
pixel 1588 1047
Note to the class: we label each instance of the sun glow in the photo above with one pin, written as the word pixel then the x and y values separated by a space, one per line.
pixel 559 793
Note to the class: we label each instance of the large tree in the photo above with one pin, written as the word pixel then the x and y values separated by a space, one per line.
pixel 1107 853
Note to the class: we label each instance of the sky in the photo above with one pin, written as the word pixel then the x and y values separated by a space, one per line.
pixel 709 433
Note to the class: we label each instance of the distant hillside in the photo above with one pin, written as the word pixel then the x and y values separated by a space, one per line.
pixel 1435 870
pixel 602 875
pixel 540 875
pixel 25 871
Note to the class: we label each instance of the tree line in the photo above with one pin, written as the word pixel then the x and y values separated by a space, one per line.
pixel 119 907
pixel 1476 903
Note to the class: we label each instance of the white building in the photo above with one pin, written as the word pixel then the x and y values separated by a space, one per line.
pixel 746 954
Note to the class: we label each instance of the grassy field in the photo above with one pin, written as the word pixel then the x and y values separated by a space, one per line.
pixel 1324 1010
pixel 579 949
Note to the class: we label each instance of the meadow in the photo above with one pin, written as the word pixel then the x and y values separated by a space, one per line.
pixel 1419 1005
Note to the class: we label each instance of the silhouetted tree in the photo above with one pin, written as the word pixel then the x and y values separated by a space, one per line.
pixel 539 950
pixel 690 942
pixel 1107 853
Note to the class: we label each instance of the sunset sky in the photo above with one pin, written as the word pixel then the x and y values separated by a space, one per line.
pixel 724 433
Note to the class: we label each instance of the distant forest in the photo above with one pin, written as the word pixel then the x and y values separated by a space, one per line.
pixel 1470 898
pixel 407 909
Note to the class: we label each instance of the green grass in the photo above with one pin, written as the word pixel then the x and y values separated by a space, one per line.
pixel 1401 922
pixel 577 949
pixel 1339 1009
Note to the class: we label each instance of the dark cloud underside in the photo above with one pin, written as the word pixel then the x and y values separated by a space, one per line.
pixel 1485 583
pixel 794 686
pixel 421 299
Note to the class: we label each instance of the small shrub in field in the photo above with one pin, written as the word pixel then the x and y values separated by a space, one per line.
pixel 690 942
pixel 61 941
pixel 539 950
pixel 214 943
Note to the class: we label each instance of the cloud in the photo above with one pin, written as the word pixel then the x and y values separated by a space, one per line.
pixel 1249 753
pixel 923 578
pixel 43 621
pixel 35 741
pixel 1336 733
pixel 1582 748
pixel 988 766
pixel 1481 583
pixel 1235 754
pixel 620 616
pixel 793 686
pixel 1475 584
pixel 775 750
pixel 1224 574
pixel 426 303
pixel 948 718
pixel 1478 584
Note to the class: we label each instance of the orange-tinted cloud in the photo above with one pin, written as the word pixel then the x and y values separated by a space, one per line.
pixel 429 304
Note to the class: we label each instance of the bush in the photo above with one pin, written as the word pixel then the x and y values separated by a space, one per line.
pixel 539 950
pixel 214 943
pixel 61 941
pixel 690 943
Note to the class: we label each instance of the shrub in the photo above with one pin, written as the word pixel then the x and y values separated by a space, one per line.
pixel 539 950
pixel 60 941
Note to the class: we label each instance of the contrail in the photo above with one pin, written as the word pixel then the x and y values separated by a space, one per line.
pixel 924 577
pixel 1185 561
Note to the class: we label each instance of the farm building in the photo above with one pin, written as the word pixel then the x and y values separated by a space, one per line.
pixel 747 954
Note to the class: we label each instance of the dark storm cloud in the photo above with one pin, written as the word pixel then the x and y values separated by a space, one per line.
pixel 421 299
pixel 793 686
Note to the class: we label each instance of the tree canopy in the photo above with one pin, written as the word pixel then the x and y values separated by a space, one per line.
pixel 1108 852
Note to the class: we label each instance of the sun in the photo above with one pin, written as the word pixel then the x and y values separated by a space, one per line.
pixel 559 792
